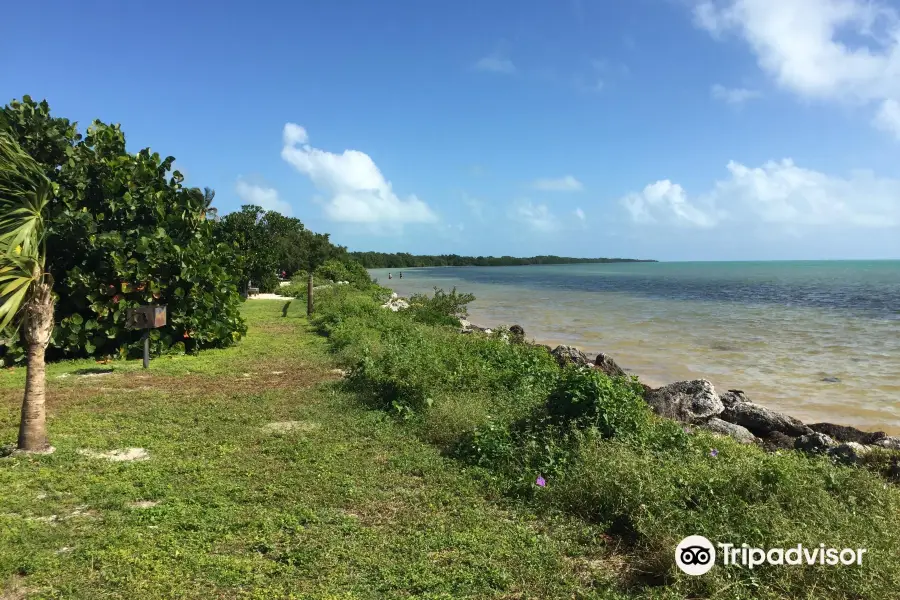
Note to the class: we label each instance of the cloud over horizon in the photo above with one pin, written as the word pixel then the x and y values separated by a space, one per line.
pixel 265 197
pixel 779 193
pixel 356 190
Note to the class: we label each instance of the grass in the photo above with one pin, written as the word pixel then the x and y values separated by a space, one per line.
pixel 609 463
pixel 347 504
pixel 271 476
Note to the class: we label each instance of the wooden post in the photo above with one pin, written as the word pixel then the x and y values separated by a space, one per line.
pixel 309 295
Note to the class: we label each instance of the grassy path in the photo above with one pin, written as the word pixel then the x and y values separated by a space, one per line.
pixel 264 480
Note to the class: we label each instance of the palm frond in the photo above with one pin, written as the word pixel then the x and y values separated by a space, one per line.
pixel 25 192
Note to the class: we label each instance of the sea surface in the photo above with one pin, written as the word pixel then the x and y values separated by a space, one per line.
pixel 818 340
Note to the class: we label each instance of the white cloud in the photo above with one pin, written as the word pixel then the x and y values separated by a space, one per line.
pixel 733 96
pixel 262 196
pixel 776 194
pixel 804 44
pixel 495 63
pixel 536 216
pixel 888 118
pixel 358 192
pixel 666 201
pixel 580 214
pixel 562 184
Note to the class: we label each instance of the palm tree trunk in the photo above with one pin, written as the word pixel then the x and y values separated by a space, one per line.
pixel 37 327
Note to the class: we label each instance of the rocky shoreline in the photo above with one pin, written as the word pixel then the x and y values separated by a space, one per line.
pixel 697 404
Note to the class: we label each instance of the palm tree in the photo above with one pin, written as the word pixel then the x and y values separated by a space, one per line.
pixel 26 295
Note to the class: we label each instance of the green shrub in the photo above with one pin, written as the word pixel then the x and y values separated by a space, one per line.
pixel 345 270
pixel 123 232
pixel 441 308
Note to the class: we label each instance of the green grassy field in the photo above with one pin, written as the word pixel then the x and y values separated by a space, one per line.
pixel 347 503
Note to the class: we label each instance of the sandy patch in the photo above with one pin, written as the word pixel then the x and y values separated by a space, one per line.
pixel 143 504
pixel 119 455
pixel 288 426
pixel 268 296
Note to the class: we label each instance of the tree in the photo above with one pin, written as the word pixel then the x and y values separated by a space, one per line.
pixel 25 285
pixel 123 231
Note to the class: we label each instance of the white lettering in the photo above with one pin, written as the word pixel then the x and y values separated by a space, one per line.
pixel 779 556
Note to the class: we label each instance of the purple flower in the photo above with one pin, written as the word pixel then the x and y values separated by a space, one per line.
pixel 540 481
pixel 714 453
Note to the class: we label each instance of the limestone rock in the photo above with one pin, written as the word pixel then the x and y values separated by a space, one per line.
pixel 762 421
pixel 566 355
pixel 605 363
pixel 688 401
pixel 814 443
pixel 848 453
pixel 741 434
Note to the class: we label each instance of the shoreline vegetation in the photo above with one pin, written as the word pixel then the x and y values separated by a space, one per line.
pixel 551 429
pixel 382 260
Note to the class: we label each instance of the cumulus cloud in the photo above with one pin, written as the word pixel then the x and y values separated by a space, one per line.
pixel 580 214
pixel 265 197
pixel 777 193
pixel 536 216
pixel 804 45
pixel 495 63
pixel 562 184
pixel 888 118
pixel 666 201
pixel 357 191
pixel 733 96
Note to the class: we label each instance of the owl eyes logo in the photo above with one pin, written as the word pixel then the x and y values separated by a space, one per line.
pixel 695 555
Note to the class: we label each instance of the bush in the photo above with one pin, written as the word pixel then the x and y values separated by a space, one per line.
pixel 440 309
pixel 345 270
pixel 124 232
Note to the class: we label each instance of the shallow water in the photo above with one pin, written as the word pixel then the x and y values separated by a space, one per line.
pixel 818 340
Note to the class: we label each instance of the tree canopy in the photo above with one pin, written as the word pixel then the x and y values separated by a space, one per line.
pixel 382 260
pixel 124 231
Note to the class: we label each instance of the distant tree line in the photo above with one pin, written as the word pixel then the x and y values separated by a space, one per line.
pixel 382 260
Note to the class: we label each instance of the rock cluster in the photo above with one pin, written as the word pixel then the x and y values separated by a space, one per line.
pixel 697 404
pixel 395 303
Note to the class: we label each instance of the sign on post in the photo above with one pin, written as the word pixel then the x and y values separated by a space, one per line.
pixel 146 317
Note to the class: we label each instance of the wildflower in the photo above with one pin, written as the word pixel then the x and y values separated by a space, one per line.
pixel 541 482
pixel 116 299
pixel 714 453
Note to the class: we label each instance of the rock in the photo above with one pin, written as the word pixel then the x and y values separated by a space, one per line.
pixel 813 443
pixel 566 355
pixel 843 433
pixel 688 401
pixel 831 379
pixel 517 334
pixel 776 441
pixel 741 434
pixel 606 364
pixel 848 453
pixel 465 324
pixel 487 331
pixel 762 421
pixel 396 304
pixel 889 442
pixel 732 397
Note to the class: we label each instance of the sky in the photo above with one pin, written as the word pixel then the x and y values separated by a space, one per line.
pixel 666 129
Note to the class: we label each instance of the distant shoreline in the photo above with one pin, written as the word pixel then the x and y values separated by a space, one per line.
pixel 384 260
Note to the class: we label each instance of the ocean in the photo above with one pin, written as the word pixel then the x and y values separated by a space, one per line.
pixel 817 340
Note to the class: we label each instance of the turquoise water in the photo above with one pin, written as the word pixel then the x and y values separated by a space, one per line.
pixel 819 340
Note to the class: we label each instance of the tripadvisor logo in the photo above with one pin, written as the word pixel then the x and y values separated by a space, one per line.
pixel 696 555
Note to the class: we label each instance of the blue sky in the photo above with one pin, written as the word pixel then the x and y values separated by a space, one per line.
pixel 671 129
